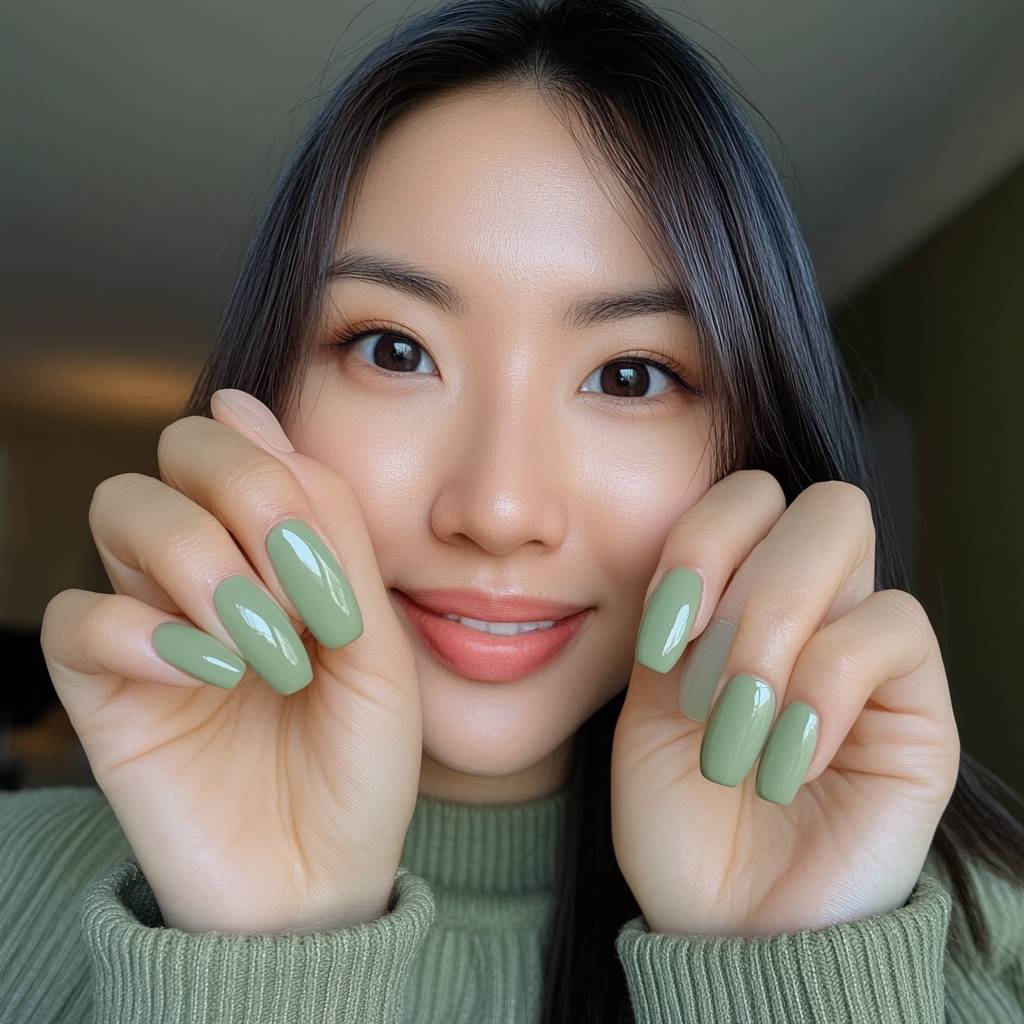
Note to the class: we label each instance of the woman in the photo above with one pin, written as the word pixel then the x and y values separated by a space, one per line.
pixel 544 355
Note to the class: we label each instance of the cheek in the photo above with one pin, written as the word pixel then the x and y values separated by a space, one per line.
pixel 632 494
pixel 385 458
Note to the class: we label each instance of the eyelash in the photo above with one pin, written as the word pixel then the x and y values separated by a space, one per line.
pixel 346 336
pixel 674 371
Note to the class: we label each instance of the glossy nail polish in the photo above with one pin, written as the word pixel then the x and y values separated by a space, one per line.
pixel 263 634
pixel 314 581
pixel 198 654
pixel 665 627
pixel 703 668
pixel 736 733
pixel 787 754
pixel 255 416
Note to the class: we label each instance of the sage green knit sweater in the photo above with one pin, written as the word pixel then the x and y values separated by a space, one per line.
pixel 81 939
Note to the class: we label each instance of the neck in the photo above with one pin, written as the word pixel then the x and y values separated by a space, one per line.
pixel 540 780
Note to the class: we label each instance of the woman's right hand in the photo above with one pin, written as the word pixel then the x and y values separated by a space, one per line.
pixel 249 811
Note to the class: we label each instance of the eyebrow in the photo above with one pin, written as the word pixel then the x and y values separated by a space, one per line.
pixel 386 270
pixel 607 308
pixel 395 273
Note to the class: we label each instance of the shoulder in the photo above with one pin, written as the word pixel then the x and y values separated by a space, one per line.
pixel 53 844
pixel 985 987
pixel 1001 904
pixel 48 830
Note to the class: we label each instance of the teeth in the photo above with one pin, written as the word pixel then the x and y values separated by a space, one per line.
pixel 502 628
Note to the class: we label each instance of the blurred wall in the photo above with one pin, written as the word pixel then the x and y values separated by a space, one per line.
pixel 942 335
pixel 66 423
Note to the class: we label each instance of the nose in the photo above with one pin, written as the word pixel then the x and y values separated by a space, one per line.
pixel 505 479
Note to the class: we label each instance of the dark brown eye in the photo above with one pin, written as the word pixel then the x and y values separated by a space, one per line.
pixel 625 380
pixel 395 353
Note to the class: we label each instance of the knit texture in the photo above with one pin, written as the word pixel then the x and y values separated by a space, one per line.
pixel 81 939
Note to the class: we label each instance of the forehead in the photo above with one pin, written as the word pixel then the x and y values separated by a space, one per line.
pixel 497 180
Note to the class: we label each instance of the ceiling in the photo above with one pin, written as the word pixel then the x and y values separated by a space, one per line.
pixel 138 137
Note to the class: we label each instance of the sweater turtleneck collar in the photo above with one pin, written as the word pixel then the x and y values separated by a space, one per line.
pixel 486 849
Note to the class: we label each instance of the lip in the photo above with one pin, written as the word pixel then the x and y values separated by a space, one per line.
pixel 482 656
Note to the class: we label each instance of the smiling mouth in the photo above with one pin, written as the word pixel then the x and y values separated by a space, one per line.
pixel 506 646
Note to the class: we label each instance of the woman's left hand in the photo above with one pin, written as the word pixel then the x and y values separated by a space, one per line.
pixel 860 668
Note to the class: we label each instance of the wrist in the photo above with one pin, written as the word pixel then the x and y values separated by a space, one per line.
pixel 242 914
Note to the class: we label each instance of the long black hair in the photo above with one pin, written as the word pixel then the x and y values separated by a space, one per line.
pixel 779 396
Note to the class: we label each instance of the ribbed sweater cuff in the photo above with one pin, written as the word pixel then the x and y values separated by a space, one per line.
pixel 148 974
pixel 882 970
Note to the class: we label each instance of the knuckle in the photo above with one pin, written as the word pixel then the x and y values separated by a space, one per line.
pixel 762 486
pixel 903 608
pixel 180 432
pixel 192 537
pixel 843 500
pixel 71 624
pixel 834 658
pixel 110 494
pixel 257 480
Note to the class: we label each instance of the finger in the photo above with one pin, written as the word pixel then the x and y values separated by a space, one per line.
pixel 257 497
pixel 700 555
pixel 260 502
pixel 94 642
pixel 874 684
pixel 817 562
pixel 153 530
pixel 336 518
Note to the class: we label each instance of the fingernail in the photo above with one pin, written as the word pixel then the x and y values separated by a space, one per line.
pixel 263 634
pixel 198 654
pixel 315 583
pixel 666 624
pixel 703 668
pixel 254 415
pixel 736 733
pixel 787 754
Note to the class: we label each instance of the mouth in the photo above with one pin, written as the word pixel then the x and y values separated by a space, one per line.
pixel 491 638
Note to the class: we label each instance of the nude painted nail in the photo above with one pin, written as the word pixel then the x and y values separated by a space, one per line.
pixel 255 415
pixel 703 669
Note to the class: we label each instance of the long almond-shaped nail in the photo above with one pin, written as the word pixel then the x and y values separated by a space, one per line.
pixel 314 581
pixel 734 738
pixel 787 754
pixel 667 622
pixel 255 415
pixel 703 669
pixel 263 634
pixel 198 654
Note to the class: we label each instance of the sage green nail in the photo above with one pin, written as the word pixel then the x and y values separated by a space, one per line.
pixel 263 634
pixel 703 668
pixel 666 624
pixel 198 654
pixel 736 733
pixel 787 754
pixel 314 581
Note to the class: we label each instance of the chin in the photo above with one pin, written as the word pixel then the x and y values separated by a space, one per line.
pixel 495 730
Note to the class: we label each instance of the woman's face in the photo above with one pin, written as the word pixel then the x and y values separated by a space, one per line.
pixel 485 381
